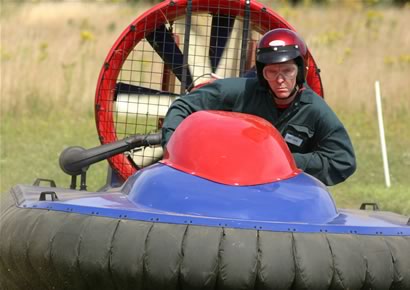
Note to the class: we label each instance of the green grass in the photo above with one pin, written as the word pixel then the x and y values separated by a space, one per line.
pixel 368 182
pixel 31 145
pixel 30 148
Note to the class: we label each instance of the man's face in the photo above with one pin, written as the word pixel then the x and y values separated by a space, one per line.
pixel 281 78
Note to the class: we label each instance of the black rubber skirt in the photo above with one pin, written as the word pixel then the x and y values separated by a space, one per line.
pixel 42 249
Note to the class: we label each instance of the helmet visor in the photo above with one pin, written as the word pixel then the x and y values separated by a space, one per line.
pixel 277 54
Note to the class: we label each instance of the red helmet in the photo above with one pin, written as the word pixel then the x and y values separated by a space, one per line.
pixel 280 45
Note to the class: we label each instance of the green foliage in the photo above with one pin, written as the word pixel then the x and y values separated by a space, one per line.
pixel 401 3
pixel 111 27
pixel 374 19
pixel 402 60
pixel 329 38
pixel 5 54
pixel 86 36
pixel 43 49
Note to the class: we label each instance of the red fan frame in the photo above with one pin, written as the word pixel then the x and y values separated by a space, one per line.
pixel 262 19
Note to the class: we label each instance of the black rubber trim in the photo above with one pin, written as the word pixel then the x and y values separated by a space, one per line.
pixel 44 249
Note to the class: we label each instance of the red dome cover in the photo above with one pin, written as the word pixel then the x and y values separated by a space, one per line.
pixel 230 148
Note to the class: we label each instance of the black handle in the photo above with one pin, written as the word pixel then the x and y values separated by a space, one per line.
pixel 373 205
pixel 75 160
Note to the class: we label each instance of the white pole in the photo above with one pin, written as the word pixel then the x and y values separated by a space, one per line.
pixel 381 131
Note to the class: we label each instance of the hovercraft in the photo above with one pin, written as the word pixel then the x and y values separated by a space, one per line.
pixel 224 207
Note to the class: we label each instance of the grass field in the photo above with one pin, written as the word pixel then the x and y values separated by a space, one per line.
pixel 50 64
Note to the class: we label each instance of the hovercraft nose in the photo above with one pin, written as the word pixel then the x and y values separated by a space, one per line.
pixel 230 148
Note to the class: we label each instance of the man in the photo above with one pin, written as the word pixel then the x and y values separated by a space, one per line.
pixel 317 139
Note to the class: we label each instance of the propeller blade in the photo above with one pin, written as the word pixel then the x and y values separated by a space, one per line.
pixel 221 29
pixel 162 41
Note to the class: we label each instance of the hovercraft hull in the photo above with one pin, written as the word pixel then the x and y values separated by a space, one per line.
pixel 104 240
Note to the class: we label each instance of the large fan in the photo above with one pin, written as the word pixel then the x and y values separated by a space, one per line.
pixel 169 50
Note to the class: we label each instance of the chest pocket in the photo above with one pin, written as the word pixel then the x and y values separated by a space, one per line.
pixel 299 138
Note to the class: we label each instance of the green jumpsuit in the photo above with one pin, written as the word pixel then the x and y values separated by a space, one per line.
pixel 317 139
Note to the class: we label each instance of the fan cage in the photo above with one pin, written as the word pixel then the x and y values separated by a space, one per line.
pixel 168 50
